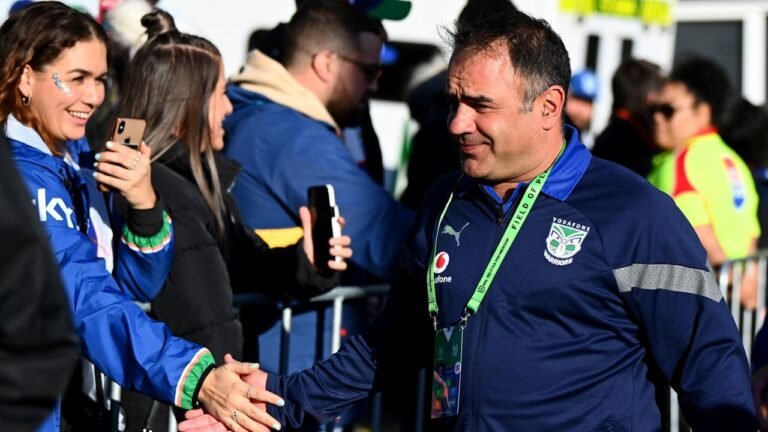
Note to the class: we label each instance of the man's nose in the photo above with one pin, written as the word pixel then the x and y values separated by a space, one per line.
pixel 461 121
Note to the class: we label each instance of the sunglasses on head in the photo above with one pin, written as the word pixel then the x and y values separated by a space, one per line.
pixel 371 71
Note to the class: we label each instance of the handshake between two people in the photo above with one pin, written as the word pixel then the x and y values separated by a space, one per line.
pixel 242 408
pixel 235 395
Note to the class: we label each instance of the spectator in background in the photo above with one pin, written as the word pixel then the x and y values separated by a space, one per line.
pixel 38 344
pixel 745 130
pixel 286 125
pixel 628 138
pixel 433 154
pixel 581 97
pixel 358 134
pixel 285 131
pixel 709 182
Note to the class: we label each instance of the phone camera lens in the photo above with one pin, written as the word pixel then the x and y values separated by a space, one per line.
pixel 121 127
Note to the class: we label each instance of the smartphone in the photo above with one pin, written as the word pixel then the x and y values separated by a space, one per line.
pixel 129 131
pixel 325 223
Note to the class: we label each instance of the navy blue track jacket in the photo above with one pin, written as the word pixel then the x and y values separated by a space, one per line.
pixel 604 296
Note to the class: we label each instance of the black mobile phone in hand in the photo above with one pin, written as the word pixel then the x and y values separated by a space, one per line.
pixel 325 223
pixel 128 132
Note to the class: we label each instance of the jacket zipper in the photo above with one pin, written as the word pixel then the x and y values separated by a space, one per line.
pixel 500 216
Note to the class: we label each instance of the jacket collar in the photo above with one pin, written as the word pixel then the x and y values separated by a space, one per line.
pixel 19 132
pixel 565 174
pixel 261 74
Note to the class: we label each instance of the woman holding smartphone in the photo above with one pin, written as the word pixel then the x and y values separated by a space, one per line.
pixel 176 83
pixel 54 60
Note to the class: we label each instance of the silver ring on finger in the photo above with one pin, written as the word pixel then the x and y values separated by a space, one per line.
pixel 136 160
pixel 248 393
pixel 234 416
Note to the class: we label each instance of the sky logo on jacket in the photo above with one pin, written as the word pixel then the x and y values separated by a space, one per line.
pixel 564 241
pixel 55 208
pixel 439 266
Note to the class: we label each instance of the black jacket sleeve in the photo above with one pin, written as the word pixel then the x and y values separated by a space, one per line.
pixel 288 269
pixel 38 345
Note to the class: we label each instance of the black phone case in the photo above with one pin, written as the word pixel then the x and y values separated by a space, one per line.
pixel 325 213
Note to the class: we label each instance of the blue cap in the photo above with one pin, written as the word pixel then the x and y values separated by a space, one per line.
pixel 18 5
pixel 584 85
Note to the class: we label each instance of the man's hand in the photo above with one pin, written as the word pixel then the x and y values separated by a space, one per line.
pixel 198 421
pixel 339 246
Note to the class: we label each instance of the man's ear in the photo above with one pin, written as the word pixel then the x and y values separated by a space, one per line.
pixel 324 64
pixel 551 104
pixel 25 82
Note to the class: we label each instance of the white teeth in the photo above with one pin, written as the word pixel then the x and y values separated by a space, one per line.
pixel 80 115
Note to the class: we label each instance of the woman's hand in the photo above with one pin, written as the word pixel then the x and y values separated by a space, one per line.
pixel 227 398
pixel 122 169
pixel 339 246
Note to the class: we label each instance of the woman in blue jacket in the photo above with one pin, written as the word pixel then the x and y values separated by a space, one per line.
pixel 51 81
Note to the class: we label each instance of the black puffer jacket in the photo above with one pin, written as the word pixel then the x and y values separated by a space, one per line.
pixel 196 300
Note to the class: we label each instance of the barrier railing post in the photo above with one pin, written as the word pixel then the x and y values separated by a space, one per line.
pixel 115 392
pixel 285 340
pixel 338 302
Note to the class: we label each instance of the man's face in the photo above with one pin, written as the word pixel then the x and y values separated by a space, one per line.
pixel 497 137
pixel 356 76
pixel 677 117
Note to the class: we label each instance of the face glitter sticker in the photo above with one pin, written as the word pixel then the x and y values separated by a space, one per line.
pixel 61 85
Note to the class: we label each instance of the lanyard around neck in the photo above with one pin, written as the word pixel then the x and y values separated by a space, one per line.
pixel 518 218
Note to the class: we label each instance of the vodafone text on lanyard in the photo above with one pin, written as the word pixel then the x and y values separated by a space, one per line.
pixel 446 376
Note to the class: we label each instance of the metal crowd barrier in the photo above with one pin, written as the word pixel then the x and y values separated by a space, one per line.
pixel 335 297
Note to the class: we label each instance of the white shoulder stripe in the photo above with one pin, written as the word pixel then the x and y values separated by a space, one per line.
pixel 668 277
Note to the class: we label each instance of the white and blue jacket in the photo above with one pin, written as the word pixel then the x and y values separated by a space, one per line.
pixel 116 335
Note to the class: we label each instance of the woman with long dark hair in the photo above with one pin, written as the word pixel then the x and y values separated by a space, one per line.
pixel 176 83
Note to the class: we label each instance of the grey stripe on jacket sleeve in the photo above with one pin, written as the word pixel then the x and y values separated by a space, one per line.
pixel 668 277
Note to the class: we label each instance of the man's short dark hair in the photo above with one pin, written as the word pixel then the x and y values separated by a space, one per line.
pixel 536 52
pixel 632 82
pixel 708 83
pixel 327 24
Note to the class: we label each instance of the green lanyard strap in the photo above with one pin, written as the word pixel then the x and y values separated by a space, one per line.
pixel 518 218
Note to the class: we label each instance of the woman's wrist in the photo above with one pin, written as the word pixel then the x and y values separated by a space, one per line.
pixel 147 222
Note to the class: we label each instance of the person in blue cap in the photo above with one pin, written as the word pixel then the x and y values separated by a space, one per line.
pixel 582 94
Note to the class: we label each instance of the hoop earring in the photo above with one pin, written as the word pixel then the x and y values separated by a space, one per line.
pixel 25 100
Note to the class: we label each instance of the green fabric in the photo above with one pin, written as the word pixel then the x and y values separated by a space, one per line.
pixel 149 244
pixel 193 377
pixel 722 191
